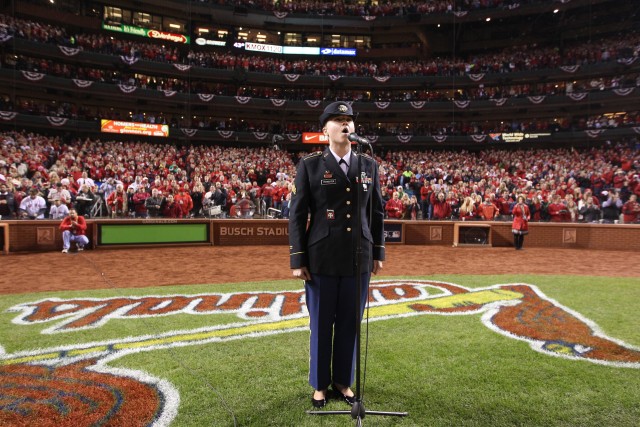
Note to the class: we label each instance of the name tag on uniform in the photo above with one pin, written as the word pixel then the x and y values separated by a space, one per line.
pixel 328 181
pixel 331 214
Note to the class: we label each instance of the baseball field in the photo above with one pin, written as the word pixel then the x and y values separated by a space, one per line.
pixel 217 336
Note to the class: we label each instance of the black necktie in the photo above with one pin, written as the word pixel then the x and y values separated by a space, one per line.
pixel 345 169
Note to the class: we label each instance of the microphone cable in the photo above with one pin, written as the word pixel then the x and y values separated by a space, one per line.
pixel 190 370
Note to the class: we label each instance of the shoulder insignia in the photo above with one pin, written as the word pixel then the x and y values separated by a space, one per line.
pixel 312 155
pixel 366 156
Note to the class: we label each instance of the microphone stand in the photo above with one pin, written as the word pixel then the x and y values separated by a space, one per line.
pixel 358 410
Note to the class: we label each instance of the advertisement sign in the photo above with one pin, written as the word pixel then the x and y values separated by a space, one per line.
pixel 133 128
pixel 515 136
pixel 259 47
pixel 287 50
pixel 314 138
pixel 299 50
pixel 144 32
pixel 201 41
pixel 393 232
pixel 338 51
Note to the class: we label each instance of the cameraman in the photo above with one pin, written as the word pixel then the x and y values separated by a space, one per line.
pixel 73 229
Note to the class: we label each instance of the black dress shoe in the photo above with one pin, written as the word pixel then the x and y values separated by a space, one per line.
pixel 349 399
pixel 318 403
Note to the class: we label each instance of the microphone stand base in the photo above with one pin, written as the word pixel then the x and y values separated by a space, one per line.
pixel 358 412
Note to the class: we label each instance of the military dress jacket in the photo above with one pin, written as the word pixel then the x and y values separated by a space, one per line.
pixel 324 193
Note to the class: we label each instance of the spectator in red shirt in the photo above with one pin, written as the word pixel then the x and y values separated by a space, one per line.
pixel 488 211
pixel 468 211
pixel 139 199
pixel 520 225
pixel 171 208
pixel 73 229
pixel 183 199
pixel 441 208
pixel 557 210
pixel 631 210
pixel 394 207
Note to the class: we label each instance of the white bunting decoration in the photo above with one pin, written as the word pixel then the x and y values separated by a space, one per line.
pixel 382 105
pixel 8 115
pixel 57 121
pixel 372 138
pixel 169 93
pixel 627 61
pixel 594 133
pixel 478 138
pixel 460 14
pixel 206 97
pixel 82 83
pixel 260 135
pixel 461 104
pixel 404 138
pixel 578 96
pixel 536 99
pixel 182 67
pixel 499 102
pixel 476 77
pixel 280 15
pixel 127 88
pixel 312 103
pixel 242 99
pixel 189 132
pixel 381 79
pixel 417 104
pixel 333 77
pixel 5 37
pixel 570 68
pixel 129 60
pixel 30 75
pixel 293 137
pixel 440 138
pixel 369 18
pixel 69 51
pixel 636 129
pixel 226 134
pixel 292 77
pixel 623 91
pixel 278 102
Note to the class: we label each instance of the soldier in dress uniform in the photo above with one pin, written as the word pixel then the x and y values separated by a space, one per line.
pixel 323 255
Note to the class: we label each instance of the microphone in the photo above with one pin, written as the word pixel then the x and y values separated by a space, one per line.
pixel 353 137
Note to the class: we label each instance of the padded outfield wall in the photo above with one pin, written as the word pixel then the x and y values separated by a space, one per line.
pixel 40 236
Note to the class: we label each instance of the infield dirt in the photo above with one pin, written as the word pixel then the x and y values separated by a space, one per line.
pixel 144 267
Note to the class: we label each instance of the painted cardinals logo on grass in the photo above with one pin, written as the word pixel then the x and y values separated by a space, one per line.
pixel 73 385
pixel 75 395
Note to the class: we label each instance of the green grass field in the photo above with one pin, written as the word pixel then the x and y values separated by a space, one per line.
pixel 442 370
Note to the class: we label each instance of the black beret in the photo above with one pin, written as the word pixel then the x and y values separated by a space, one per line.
pixel 339 108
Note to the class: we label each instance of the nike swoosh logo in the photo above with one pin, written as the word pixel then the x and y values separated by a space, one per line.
pixel 309 138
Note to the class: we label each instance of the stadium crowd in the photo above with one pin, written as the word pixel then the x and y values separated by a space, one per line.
pixel 161 83
pixel 40 173
pixel 622 47
pixel 386 8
